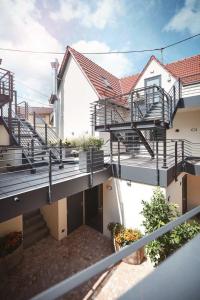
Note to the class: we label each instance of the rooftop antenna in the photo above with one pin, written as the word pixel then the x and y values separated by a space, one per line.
pixel 162 56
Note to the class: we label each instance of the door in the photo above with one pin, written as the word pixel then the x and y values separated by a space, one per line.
pixel 94 208
pixel 152 93
pixel 184 194
pixel 74 212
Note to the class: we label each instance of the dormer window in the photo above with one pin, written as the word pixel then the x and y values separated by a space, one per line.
pixel 106 82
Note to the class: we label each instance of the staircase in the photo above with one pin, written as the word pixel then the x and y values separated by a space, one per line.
pixel 33 141
pixel 135 141
pixel 34 228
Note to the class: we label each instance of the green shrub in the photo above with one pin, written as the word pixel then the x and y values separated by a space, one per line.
pixel 157 213
pixel 85 143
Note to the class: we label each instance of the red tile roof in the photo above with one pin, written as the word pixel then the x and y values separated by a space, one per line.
pixel 127 83
pixel 187 69
pixel 96 76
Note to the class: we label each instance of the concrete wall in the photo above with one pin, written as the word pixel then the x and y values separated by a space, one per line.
pixel 188 124
pixel 4 136
pixel 75 94
pixel 193 191
pixel 55 216
pixel 174 192
pixel 155 69
pixel 11 225
pixel 122 202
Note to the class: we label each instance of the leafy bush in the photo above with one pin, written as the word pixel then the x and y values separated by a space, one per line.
pixel 124 236
pixel 157 213
pixel 85 143
pixel 10 242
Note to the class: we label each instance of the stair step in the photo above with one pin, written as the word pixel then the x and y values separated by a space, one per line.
pixel 34 227
pixel 34 237
pixel 31 214
pixel 32 220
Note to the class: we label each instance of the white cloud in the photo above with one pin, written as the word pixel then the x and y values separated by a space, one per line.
pixel 20 28
pixel 187 18
pixel 106 12
pixel 117 64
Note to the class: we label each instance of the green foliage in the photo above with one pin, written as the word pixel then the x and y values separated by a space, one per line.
pixel 85 143
pixel 157 213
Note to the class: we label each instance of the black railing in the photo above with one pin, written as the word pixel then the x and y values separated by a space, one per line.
pixel 121 151
pixel 8 94
pixel 145 104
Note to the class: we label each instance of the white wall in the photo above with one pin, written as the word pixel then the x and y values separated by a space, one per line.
pixel 76 94
pixel 191 90
pixel 4 136
pixel 55 216
pixel 193 191
pixel 122 200
pixel 123 204
pixel 155 69
pixel 14 224
pixel 188 123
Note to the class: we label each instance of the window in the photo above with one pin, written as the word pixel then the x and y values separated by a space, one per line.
pixel 106 82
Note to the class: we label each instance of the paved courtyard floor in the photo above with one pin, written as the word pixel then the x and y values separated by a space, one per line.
pixel 50 261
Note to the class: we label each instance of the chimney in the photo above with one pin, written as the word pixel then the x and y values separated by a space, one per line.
pixel 54 96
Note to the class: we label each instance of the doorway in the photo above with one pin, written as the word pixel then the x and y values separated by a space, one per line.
pixel 152 94
pixel 94 207
pixel 74 212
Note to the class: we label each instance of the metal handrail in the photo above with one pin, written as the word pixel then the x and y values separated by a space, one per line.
pixel 76 280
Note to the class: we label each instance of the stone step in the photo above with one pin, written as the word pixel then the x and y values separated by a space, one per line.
pixel 33 228
pixel 31 214
pixel 29 221
pixel 35 237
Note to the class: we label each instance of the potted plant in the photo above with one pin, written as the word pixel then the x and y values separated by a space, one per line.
pixel 122 237
pixel 90 154
pixel 11 252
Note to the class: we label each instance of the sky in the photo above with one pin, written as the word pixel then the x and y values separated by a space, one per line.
pixel 91 26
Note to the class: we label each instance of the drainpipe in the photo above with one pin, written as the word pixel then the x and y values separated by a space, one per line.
pixel 55 66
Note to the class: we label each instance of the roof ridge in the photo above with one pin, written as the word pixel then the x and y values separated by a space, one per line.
pixel 125 77
pixel 180 60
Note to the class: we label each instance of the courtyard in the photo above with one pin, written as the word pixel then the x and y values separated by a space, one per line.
pixel 49 261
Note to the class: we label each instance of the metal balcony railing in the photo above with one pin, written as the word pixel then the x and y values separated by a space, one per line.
pixel 141 105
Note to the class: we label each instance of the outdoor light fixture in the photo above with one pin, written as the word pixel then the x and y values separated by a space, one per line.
pixel 109 187
pixel 128 183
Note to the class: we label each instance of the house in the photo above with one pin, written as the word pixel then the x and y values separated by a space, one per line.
pixel 137 124
pixel 45 113
pixel 153 125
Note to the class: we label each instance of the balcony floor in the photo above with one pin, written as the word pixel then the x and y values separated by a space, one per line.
pixel 22 181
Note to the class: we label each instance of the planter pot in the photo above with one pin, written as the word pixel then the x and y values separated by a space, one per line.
pixel 70 152
pixel 136 258
pixel 10 261
pixel 85 161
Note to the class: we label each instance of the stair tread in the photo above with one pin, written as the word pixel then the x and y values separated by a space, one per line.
pixel 34 227
pixel 35 237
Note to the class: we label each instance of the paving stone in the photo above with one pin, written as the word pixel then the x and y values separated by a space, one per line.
pixel 49 261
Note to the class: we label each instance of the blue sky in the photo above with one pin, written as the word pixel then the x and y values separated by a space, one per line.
pixel 98 25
